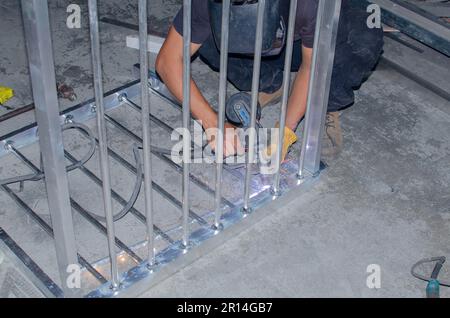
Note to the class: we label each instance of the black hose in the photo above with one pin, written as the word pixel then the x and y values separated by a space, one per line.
pixel 40 174
pixel 137 188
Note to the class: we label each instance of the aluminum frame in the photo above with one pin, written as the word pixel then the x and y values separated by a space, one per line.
pixel 205 236
pixel 319 84
pixel 42 72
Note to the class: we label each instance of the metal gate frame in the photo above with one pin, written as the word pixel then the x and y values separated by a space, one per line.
pixel 193 244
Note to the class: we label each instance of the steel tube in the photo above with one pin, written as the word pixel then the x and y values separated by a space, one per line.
pixel 103 148
pixel 286 88
pixel 221 113
pixel 328 15
pixel 187 15
pixel 255 90
pixel 42 71
pixel 146 140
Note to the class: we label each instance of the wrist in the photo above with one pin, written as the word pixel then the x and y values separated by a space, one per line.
pixel 209 121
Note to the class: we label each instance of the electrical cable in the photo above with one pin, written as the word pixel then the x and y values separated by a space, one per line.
pixel 134 195
pixel 427 279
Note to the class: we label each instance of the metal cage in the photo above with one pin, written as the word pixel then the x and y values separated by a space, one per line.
pixel 198 232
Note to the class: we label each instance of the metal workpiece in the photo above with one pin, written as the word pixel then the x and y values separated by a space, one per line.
pixel 319 87
pixel 146 140
pixel 206 212
pixel 286 89
pixel 221 112
pixel 255 90
pixel 42 72
pixel 103 147
pixel 199 221
pixel 187 32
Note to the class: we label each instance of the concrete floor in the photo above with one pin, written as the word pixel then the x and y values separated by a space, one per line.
pixel 384 200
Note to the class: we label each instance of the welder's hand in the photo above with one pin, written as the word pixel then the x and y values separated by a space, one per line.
pixel 232 144
pixel 289 139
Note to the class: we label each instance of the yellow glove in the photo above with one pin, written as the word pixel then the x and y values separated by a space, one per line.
pixel 6 93
pixel 289 139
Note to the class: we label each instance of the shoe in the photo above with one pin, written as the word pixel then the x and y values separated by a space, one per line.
pixel 332 140
pixel 266 99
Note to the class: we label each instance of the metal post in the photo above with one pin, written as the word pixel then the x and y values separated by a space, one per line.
pixel 286 88
pixel 187 15
pixel 221 114
pixel 319 85
pixel 255 90
pixel 146 140
pixel 103 147
pixel 42 71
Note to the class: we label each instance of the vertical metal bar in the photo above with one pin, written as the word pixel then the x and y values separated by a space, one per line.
pixel 328 15
pixel 286 88
pixel 146 140
pixel 255 90
pixel 42 71
pixel 103 147
pixel 187 15
pixel 221 114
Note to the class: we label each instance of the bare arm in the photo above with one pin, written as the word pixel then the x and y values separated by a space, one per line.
pixel 169 65
pixel 299 96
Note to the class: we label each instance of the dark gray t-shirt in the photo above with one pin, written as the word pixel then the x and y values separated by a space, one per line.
pixel 201 29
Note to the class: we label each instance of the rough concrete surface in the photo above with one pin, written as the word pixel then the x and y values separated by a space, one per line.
pixel 384 200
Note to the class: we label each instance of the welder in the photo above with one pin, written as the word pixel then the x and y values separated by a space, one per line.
pixel 357 52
